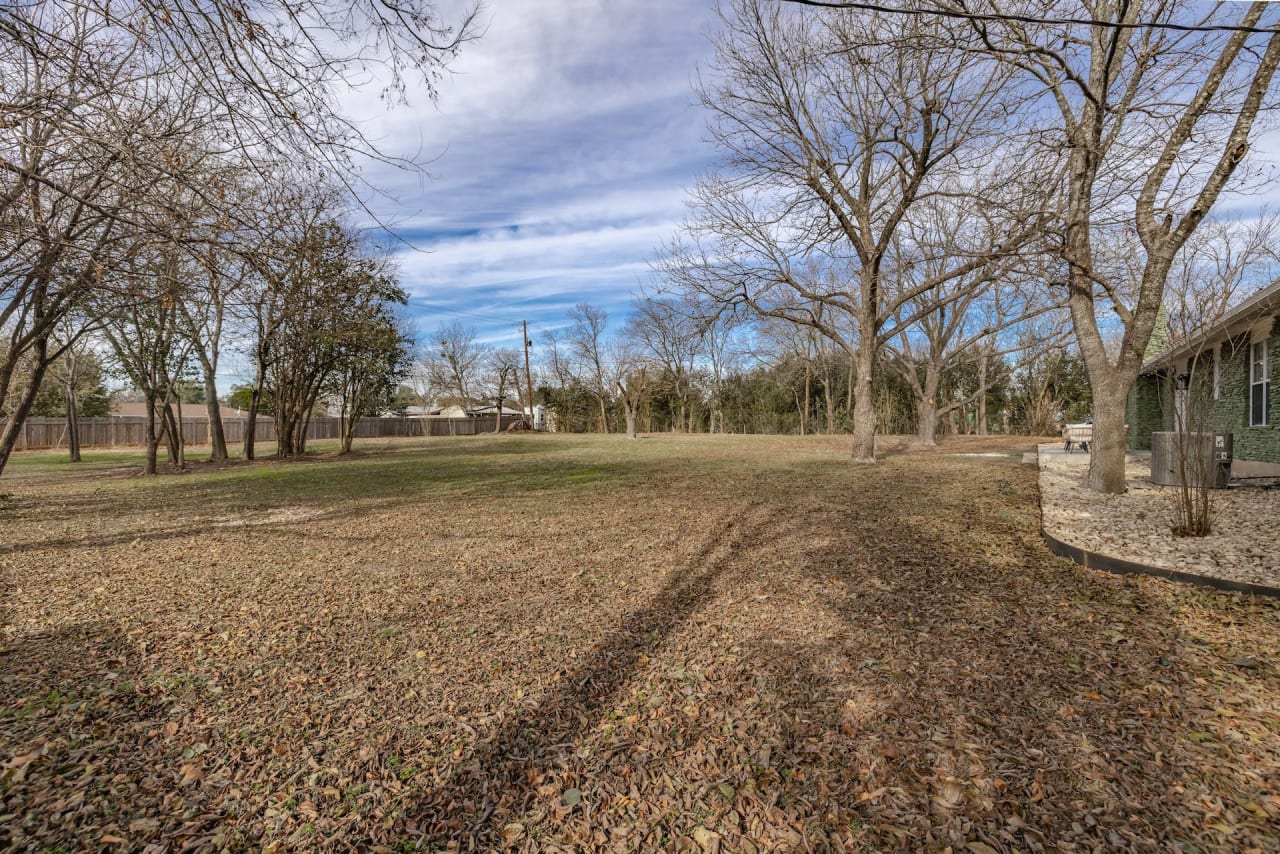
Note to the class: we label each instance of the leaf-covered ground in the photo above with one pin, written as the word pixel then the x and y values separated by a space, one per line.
pixel 548 643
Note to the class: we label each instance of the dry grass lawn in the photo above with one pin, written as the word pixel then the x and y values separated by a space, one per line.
pixel 581 643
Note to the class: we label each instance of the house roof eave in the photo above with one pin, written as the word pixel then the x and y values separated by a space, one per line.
pixel 1238 319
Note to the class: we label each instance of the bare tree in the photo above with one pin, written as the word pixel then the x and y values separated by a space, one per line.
pixel 1048 376
pixel 502 375
pixel 588 346
pixel 78 372
pixel 219 276
pixel 420 379
pixel 567 398
pixel 557 360
pixel 793 348
pixel 111 109
pixel 140 323
pixel 835 127
pixel 265 72
pixel 456 361
pixel 961 320
pixel 82 164
pixel 715 345
pixel 1155 123
pixel 631 389
pixel 275 252
pixel 668 335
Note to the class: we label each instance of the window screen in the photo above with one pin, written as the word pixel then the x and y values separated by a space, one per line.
pixel 1259 385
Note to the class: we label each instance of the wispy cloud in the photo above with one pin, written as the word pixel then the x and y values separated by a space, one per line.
pixel 560 148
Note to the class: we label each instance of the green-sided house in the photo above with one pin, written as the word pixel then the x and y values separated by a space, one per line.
pixel 1232 366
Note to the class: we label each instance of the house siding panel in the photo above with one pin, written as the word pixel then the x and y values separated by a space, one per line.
pixel 1230 413
pixel 1150 403
pixel 1260 443
pixel 1145 412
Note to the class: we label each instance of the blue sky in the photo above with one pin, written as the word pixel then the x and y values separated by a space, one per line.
pixel 561 147
pixel 562 144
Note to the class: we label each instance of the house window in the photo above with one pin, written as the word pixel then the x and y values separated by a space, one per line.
pixel 1259 385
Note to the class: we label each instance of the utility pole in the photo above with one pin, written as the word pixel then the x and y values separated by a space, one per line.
pixel 528 377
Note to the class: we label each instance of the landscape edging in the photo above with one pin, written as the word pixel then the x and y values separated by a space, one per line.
pixel 1120 566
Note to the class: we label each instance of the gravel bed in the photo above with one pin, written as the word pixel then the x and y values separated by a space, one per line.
pixel 1136 526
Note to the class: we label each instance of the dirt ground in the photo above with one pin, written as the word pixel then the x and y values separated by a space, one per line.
pixel 545 643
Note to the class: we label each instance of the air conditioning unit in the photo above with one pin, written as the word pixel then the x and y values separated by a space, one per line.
pixel 1208 459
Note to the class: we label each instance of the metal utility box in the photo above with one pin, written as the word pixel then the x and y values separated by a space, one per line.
pixel 1208 457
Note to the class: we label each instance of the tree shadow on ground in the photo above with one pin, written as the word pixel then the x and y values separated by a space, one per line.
pixel 851 658
pixel 510 764
pixel 964 687
pixel 81 732
pixel 989 692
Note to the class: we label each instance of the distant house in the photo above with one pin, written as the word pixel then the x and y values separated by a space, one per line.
pixel 1240 358
pixel 190 411
pixel 459 411
pixel 490 411
pixel 540 418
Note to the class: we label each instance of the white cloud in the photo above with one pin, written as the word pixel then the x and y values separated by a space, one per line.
pixel 561 145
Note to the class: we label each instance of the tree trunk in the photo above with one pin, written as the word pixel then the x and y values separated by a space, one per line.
pixel 1040 411
pixel 927 407
pixel 981 402
pixel 927 423
pixel 217 436
pixel 604 416
pixel 301 426
pixel 291 430
pixel 251 423
pixel 831 403
pixel 284 431
pixel 1107 450
pixel 173 437
pixel 348 422
pixel 153 438
pixel 804 412
pixel 73 422
pixel 180 436
pixel 631 421
pixel 864 413
pixel 18 416
pixel 848 395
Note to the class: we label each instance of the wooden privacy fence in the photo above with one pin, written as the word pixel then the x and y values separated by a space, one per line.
pixel 39 433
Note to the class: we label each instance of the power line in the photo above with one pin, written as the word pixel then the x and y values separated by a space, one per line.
pixel 413 301
pixel 965 15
